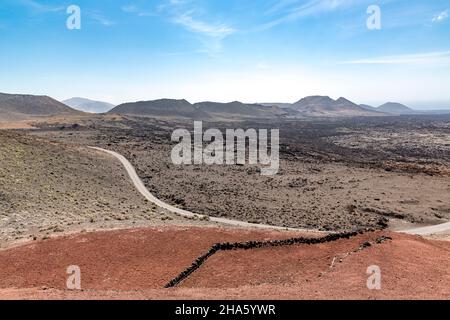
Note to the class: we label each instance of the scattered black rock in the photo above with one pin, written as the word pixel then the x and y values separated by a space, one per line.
pixel 365 245
pixel 382 239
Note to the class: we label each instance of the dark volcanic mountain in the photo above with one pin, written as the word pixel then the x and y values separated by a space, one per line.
pixel 88 105
pixel 202 110
pixel 395 108
pixel 282 105
pixel 161 108
pixel 367 107
pixel 238 109
pixel 314 106
pixel 325 106
pixel 21 106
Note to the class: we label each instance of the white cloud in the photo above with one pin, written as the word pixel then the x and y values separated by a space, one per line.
pixel 421 58
pixel 41 7
pixel 309 8
pixel 281 4
pixel 182 12
pixel 136 10
pixel 210 30
pixel 218 30
pixel 171 4
pixel 101 19
pixel 129 8
pixel 440 16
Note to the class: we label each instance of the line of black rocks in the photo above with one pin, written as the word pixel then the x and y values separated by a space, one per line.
pixel 226 246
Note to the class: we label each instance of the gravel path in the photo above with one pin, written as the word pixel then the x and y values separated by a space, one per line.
pixel 429 230
pixel 150 197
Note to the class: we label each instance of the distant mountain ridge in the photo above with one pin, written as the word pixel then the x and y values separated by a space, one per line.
pixel 20 107
pixel 23 106
pixel 201 110
pixel 237 108
pixel 324 106
pixel 88 105
pixel 282 105
pixel 313 106
pixel 160 107
pixel 367 107
pixel 395 108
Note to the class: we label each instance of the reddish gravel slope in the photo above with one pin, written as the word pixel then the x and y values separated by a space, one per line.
pixel 136 264
pixel 121 260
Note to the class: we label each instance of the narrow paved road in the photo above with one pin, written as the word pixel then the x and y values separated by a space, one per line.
pixel 150 197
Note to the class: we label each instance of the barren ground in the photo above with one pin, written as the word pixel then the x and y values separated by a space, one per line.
pixel 50 188
pixel 335 175
pixel 135 264
pixel 326 180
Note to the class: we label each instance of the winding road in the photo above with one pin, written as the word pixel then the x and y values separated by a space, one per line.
pixel 441 228
pixel 184 213
pixel 423 231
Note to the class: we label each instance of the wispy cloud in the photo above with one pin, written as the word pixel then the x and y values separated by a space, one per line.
pixel 420 58
pixel 101 19
pixel 41 7
pixel 293 10
pixel 440 16
pixel 170 4
pixel 131 8
pixel 281 4
pixel 194 19
pixel 217 30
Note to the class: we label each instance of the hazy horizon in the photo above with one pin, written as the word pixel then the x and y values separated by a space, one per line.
pixel 416 106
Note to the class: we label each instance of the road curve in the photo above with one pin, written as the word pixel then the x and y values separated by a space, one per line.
pixel 423 231
pixel 150 197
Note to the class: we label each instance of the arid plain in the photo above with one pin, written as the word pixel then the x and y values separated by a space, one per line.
pixel 66 204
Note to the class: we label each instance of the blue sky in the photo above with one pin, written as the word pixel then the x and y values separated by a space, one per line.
pixel 224 50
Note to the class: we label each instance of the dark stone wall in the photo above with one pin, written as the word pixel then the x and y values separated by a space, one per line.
pixel 226 246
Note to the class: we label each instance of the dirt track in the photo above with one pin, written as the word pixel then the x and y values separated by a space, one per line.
pixel 137 263
pixel 325 182
pixel 137 182
pixel 48 188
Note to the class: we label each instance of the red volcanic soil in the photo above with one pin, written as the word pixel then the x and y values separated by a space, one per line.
pixel 136 264
pixel 134 259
